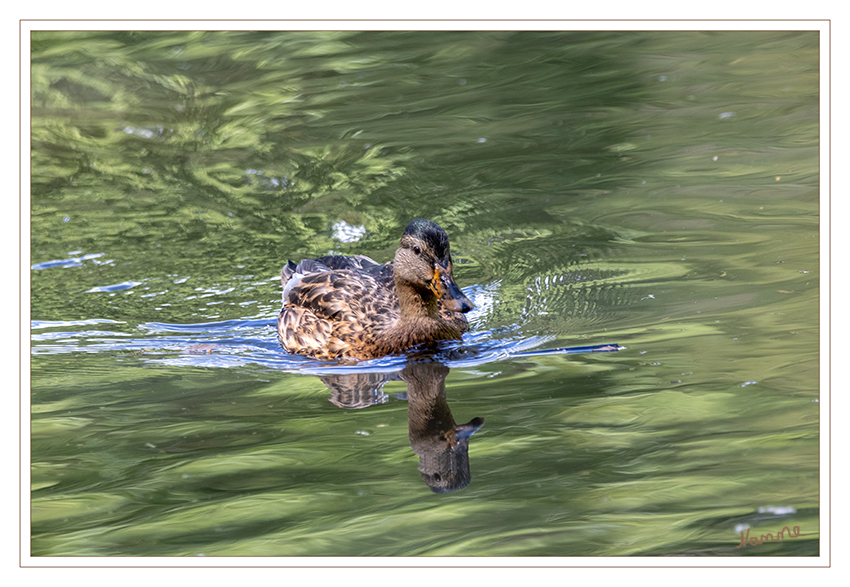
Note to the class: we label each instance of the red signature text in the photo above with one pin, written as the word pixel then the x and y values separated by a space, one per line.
pixel 746 540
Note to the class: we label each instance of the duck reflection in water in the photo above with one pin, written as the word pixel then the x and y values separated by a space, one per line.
pixel 441 444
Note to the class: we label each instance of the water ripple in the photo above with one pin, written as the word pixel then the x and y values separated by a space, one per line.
pixel 236 343
pixel 115 287
pixel 72 262
pixel 36 324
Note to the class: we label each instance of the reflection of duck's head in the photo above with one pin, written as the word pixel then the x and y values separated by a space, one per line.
pixel 442 446
pixel 444 458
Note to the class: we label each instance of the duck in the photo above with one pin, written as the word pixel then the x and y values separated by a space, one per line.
pixel 352 308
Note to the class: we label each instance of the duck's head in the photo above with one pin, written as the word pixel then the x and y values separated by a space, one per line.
pixel 424 262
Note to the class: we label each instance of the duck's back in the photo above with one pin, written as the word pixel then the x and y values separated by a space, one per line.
pixel 335 307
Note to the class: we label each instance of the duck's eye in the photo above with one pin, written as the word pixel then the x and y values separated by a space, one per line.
pixel 416 250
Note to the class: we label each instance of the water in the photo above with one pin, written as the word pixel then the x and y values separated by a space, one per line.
pixel 653 190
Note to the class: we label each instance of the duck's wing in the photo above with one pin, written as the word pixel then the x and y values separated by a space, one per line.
pixel 357 262
pixel 383 274
pixel 292 273
pixel 305 267
pixel 335 294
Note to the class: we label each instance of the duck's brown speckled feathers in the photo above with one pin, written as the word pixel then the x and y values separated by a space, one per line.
pixel 353 308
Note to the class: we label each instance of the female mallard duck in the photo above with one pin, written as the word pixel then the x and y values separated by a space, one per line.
pixel 353 308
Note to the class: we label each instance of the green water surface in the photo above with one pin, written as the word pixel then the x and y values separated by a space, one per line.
pixel 653 189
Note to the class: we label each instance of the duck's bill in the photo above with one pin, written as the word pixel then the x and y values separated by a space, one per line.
pixel 454 299
pixel 444 286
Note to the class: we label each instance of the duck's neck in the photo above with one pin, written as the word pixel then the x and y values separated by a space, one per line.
pixel 416 305
pixel 419 321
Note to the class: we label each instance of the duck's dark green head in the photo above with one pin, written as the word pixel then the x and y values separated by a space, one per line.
pixel 424 261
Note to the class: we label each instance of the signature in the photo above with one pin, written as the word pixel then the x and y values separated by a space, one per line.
pixel 792 533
